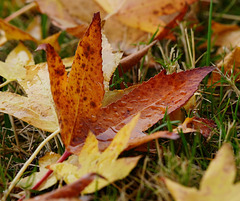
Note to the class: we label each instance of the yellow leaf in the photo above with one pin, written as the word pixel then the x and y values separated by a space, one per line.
pixel 34 28
pixel 13 67
pixel 37 108
pixel 110 5
pixel 52 40
pixel 110 61
pixel 230 65
pixel 14 33
pixel 30 181
pixel 144 15
pixel 216 184
pixel 105 163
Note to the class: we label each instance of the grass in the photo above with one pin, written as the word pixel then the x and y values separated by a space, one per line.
pixel 183 160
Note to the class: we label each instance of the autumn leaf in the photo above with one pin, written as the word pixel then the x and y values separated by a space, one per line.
pixel 14 33
pixel 225 35
pixel 106 163
pixel 37 108
pixel 141 17
pixel 212 187
pixel 230 65
pixel 110 61
pixel 68 192
pixel 30 181
pixel 13 67
pixel 147 16
pixel 151 98
pixel 82 91
pixel 79 107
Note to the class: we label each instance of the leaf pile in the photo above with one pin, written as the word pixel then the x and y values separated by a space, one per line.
pixel 98 124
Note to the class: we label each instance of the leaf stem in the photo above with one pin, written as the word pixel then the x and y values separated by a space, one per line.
pixel 48 173
pixel 18 176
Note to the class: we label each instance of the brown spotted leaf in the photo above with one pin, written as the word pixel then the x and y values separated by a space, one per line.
pixel 78 96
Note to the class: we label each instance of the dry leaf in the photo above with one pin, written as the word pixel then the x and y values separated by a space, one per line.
pixel 110 61
pixel 230 62
pixel 217 183
pixel 37 108
pixel 147 17
pixel 105 163
pixel 82 91
pixel 34 28
pixel 44 162
pixel 13 67
pixel 68 192
pixel 14 33
pixel 225 36
pixel 131 60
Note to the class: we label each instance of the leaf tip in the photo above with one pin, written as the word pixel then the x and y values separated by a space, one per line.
pixel 43 46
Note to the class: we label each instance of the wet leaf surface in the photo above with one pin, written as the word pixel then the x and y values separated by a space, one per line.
pixel 79 108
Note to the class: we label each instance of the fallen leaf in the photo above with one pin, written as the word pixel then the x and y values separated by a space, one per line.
pixel 37 107
pixel 34 28
pixel 151 98
pixel 110 61
pixel 14 33
pixel 13 67
pixel 30 181
pixel 106 163
pixel 141 20
pixel 197 124
pixel 68 192
pixel 230 64
pixel 131 60
pixel 82 92
pixel 225 35
pixel 222 168
pixel 79 107
pixel 147 16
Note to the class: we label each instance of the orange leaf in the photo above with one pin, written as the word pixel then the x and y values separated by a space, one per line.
pixel 78 97
pixel 230 64
pixel 151 98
